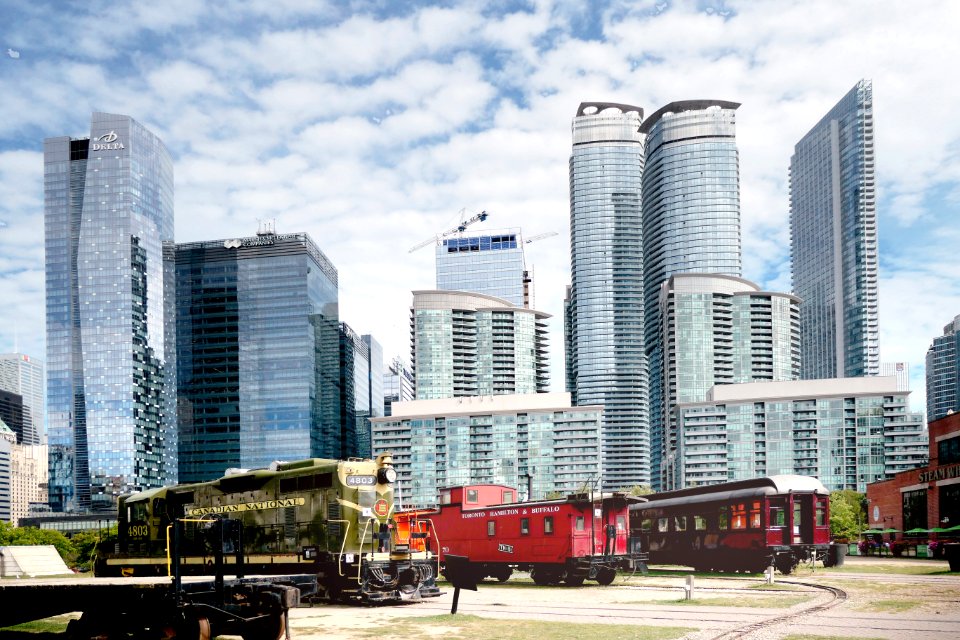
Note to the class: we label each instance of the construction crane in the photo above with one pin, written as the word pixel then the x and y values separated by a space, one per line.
pixel 460 228
pixel 540 236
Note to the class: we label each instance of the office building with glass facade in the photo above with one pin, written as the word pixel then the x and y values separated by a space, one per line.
pixel 258 339
pixel 847 432
pixel 603 310
pixel 537 443
pixel 397 384
pixel 833 240
pixel 361 388
pixel 470 344
pixel 23 375
pixel 720 330
pixel 691 220
pixel 491 264
pixel 111 392
pixel 943 373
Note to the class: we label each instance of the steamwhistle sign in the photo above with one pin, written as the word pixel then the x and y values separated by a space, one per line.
pixel 505 548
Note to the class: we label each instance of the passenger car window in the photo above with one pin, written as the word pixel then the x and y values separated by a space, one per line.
pixel 663 525
pixel 700 523
pixel 680 523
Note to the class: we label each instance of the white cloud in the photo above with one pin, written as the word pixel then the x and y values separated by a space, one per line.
pixel 371 132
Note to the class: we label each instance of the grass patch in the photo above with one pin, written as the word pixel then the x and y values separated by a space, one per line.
pixel 469 627
pixel 758 602
pixel 889 606
pixel 54 624
pixel 878 568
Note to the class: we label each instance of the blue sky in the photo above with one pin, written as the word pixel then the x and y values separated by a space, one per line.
pixel 370 125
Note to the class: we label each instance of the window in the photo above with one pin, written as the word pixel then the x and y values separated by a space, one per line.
pixel 621 523
pixel 700 523
pixel 821 513
pixel 472 496
pixel 663 525
pixel 778 517
pixel 548 524
pixel 738 516
pixel 580 525
pixel 915 509
pixel 507 497
pixel 646 525
pixel 524 526
pixel 680 523
pixel 491 528
pixel 723 519
pixel 755 515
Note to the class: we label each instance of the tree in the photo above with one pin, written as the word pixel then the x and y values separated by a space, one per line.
pixel 848 513
pixel 637 490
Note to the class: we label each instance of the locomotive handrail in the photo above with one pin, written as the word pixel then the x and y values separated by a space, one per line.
pixel 169 527
pixel 343 546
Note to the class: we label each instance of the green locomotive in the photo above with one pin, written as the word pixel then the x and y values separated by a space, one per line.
pixel 329 517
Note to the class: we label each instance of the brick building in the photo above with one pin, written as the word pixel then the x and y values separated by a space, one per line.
pixel 925 497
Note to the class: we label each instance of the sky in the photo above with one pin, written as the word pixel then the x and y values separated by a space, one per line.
pixel 371 125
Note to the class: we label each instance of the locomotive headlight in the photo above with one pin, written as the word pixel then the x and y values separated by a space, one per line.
pixel 387 475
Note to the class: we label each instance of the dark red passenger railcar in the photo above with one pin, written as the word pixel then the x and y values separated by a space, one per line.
pixel 746 525
pixel 580 537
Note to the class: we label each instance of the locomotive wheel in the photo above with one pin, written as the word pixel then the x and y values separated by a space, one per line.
pixel 270 627
pixel 504 574
pixel 540 577
pixel 574 580
pixel 193 628
pixel 606 576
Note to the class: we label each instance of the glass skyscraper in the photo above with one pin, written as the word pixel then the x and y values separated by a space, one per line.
pixel 470 344
pixel 603 311
pixel 833 235
pixel 23 375
pixel 111 391
pixel 943 372
pixel 720 330
pixel 258 355
pixel 691 220
pixel 491 264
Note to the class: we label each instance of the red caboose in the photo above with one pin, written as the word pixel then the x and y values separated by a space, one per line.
pixel 568 540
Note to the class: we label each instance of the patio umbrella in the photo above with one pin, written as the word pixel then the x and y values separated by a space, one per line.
pixel 870 531
pixel 955 527
pixel 891 530
pixel 918 531
pixel 938 530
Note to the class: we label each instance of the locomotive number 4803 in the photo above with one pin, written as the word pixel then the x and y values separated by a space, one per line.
pixel 361 481
pixel 138 531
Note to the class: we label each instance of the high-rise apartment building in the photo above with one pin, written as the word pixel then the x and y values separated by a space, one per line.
pixel 23 375
pixel 470 344
pixel 847 432
pixel 833 240
pixel 720 330
pixel 489 263
pixel 258 354
pixel 110 389
pixel 691 219
pixel 943 372
pixel 603 310
pixel 537 443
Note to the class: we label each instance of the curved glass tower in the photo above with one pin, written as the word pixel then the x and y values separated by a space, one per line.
pixel 691 218
pixel 604 311
pixel 111 392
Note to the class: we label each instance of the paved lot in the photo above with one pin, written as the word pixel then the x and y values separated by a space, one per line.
pixel 934 610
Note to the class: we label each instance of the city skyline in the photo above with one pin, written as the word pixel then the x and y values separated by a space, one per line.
pixel 389 123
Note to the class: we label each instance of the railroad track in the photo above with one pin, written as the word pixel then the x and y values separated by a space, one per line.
pixel 839 596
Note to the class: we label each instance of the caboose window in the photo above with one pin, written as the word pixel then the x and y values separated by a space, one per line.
pixel 524 526
pixel 507 497
pixel 580 523
pixel 548 524
pixel 621 523
pixel 473 496
pixel 491 528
